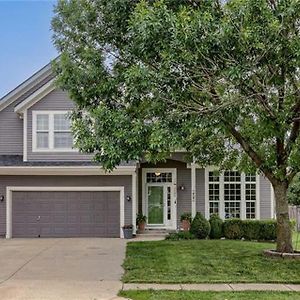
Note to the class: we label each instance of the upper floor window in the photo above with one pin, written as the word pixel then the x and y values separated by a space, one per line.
pixel 51 131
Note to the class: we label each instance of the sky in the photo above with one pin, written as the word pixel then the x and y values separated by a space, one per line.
pixel 25 40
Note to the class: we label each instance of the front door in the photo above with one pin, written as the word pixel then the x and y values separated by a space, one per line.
pixel 160 198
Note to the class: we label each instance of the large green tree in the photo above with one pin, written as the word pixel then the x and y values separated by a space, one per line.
pixel 219 79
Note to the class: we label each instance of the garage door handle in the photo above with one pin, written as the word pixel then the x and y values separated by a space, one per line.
pixel 38 218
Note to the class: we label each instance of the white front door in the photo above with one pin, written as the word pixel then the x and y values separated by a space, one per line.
pixel 160 198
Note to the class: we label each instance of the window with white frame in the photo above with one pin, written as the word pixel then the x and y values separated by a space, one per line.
pixel 214 193
pixel 51 131
pixel 232 194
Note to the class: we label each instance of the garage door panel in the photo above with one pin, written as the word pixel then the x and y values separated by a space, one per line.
pixel 19 230
pixel 45 219
pixel 66 214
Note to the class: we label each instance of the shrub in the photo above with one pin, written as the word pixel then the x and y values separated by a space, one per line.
pixel 186 217
pixel 251 229
pixel 232 229
pixel 216 227
pixel 181 235
pixel 200 227
pixel 268 230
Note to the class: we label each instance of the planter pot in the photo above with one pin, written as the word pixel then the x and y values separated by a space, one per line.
pixel 128 233
pixel 142 226
pixel 185 225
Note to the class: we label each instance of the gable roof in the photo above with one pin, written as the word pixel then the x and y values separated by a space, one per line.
pixel 35 96
pixel 28 86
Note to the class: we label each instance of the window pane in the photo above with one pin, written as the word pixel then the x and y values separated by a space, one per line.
pixel 232 210
pixel 250 177
pixel 213 208
pixel 61 122
pixel 250 210
pixel 213 176
pixel 42 122
pixel 232 176
pixel 63 140
pixel 159 177
pixel 42 140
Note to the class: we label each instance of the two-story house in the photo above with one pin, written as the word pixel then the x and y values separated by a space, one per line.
pixel 49 189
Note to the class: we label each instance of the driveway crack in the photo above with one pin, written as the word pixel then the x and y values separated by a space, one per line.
pixel 27 262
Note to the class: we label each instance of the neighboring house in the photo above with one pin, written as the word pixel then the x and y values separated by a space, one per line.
pixel 49 189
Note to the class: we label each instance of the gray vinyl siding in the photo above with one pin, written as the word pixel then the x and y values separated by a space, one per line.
pixel 11 126
pixel 56 100
pixel 200 191
pixel 11 132
pixel 265 198
pixel 184 202
pixel 104 180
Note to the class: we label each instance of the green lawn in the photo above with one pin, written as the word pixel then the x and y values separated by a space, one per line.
pixel 296 240
pixel 200 261
pixel 189 295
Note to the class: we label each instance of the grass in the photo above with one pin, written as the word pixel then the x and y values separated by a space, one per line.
pixel 193 295
pixel 296 240
pixel 201 261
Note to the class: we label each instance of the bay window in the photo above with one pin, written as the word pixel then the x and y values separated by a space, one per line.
pixel 51 131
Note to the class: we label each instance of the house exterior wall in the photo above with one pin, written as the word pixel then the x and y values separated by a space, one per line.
pixel 11 132
pixel 265 191
pixel 200 191
pixel 66 181
pixel 56 100
pixel 11 125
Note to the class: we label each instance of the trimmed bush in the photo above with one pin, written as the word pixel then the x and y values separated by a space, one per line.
pixel 200 227
pixel 216 227
pixel 181 235
pixel 232 229
pixel 235 229
pixel 268 230
pixel 251 229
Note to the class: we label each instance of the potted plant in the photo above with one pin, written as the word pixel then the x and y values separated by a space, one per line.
pixel 186 219
pixel 128 231
pixel 141 222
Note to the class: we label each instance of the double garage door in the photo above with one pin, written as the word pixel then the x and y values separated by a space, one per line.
pixel 66 214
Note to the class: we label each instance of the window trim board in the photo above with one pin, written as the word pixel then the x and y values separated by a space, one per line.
pixel 51 131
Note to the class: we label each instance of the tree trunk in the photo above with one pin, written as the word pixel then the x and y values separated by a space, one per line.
pixel 284 231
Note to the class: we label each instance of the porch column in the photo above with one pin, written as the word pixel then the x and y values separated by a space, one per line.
pixel 193 192
pixel 134 199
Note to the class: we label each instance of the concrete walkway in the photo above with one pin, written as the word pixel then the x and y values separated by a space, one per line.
pixel 214 287
pixel 61 269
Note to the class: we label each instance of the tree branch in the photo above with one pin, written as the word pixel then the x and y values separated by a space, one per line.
pixel 250 151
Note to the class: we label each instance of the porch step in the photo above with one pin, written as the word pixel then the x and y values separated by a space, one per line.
pixel 153 233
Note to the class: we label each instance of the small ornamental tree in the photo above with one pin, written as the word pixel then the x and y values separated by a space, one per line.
pixel 218 78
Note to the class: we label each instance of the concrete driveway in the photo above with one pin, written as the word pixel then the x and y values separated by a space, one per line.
pixel 46 269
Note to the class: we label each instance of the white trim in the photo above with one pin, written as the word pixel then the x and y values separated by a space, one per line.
pixel 243 197
pixel 257 203
pixel 273 212
pixel 11 189
pixel 25 86
pixel 35 97
pixel 134 200
pixel 193 190
pixel 206 197
pixel 173 191
pixel 65 170
pixel 25 135
pixel 51 131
